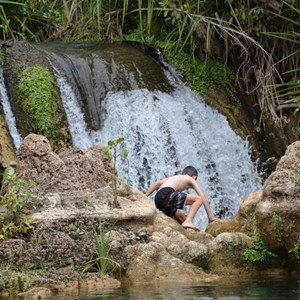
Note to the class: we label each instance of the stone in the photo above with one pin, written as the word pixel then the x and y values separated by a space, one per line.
pixel 227 252
pixel 145 245
pixel 69 170
pixel 242 221
pixel 7 152
pixel 274 212
pixel 278 214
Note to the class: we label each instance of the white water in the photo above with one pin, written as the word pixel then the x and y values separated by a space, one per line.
pixel 9 116
pixel 166 132
pixel 163 134
pixel 77 125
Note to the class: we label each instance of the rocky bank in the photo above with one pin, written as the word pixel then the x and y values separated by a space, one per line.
pixel 75 208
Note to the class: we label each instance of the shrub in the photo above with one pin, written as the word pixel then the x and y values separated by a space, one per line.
pixel 17 198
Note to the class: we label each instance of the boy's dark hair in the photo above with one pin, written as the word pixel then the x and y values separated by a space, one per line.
pixel 190 170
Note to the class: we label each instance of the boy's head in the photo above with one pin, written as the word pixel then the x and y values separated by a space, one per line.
pixel 191 171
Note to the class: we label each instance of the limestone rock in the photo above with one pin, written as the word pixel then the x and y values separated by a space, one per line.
pixel 278 214
pixel 151 262
pixel 76 183
pixel 227 252
pixel 70 170
pixel 242 221
pixel 7 152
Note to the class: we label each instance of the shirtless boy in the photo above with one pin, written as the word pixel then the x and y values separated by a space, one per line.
pixel 170 199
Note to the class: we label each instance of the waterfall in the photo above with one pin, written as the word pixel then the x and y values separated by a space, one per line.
pixel 109 94
pixel 164 131
pixel 8 114
pixel 75 117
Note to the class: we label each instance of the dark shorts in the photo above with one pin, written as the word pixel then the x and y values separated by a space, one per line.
pixel 168 201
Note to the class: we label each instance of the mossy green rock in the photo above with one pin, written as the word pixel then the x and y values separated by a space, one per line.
pixel 36 93
pixel 33 94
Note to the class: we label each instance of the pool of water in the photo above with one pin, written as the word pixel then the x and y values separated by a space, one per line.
pixel 225 289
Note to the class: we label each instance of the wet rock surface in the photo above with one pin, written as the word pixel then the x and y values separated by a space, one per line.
pixel 278 214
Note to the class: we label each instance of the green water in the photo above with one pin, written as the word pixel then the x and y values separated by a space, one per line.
pixel 225 289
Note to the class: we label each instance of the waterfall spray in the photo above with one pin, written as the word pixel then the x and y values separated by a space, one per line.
pixel 9 116
pixel 164 131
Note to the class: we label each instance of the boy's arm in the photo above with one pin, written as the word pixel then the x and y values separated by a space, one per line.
pixel 155 186
pixel 208 210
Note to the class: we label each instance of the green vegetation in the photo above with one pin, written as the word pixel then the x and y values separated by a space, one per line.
pixel 200 74
pixel 257 251
pixel 36 93
pixel 297 177
pixel 18 197
pixel 277 222
pixel 296 249
pixel 288 91
pixel 259 41
pixel 113 150
pixel 101 261
pixel 15 281
pixel 291 226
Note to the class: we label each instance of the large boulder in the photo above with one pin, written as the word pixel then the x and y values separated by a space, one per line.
pixel 77 183
pixel 242 221
pixel 70 170
pixel 174 253
pixel 273 212
pixel 278 213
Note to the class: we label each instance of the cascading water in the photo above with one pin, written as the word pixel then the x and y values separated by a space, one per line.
pixel 9 116
pixel 77 125
pixel 164 132
pixel 166 127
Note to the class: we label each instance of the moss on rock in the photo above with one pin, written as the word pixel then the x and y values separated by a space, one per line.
pixel 34 95
pixel 37 94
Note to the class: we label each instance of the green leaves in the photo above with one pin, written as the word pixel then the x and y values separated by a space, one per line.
pixel 17 198
pixel 101 260
pixel 297 177
pixel 258 251
pixel 113 149
pixel 277 223
pixel 296 249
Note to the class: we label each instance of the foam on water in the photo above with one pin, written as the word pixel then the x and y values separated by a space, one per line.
pixel 166 132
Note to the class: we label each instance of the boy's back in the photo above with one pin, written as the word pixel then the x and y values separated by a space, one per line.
pixel 177 182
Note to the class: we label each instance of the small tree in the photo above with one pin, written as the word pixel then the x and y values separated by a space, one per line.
pixel 113 150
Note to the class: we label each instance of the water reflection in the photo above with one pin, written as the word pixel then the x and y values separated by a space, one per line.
pixel 226 289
